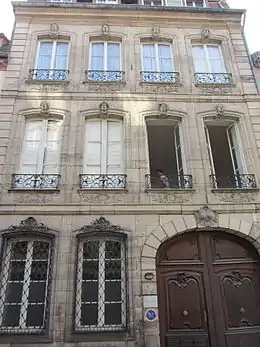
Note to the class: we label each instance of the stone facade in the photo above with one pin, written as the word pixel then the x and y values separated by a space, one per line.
pixel 148 218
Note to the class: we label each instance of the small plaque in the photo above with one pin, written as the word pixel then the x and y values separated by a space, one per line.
pixel 150 301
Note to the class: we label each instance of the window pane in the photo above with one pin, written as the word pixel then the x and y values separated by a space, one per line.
pixel 199 58
pixel 91 250
pixel 113 291
pixel 37 292
pixel 11 315
pixel 39 270
pixel 61 57
pixel 113 314
pixel 112 269
pixel 35 315
pixel 149 61
pixel 19 250
pixel 40 250
pixel 16 272
pixel 14 292
pixel 113 250
pixel 90 270
pixel 97 56
pixel 89 291
pixel 89 314
pixel 44 57
pixel 113 57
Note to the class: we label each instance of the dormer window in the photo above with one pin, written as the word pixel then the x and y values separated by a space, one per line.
pixel 195 3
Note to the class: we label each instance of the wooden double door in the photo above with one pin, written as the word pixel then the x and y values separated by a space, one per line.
pixel 208 291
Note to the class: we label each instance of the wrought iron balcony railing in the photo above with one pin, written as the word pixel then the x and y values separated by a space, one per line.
pixel 35 181
pixel 48 75
pixel 168 181
pixel 246 181
pixel 102 181
pixel 159 77
pixel 104 76
pixel 213 78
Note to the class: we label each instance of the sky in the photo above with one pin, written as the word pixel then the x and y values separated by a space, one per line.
pixel 252 19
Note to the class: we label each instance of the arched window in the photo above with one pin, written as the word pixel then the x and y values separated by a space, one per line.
pixel 25 278
pixel 100 300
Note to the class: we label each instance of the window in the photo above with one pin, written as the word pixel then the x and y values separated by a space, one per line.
pixel 195 3
pixel 60 0
pixel 228 168
pixel 166 155
pixel 25 280
pixel 103 157
pixel 209 64
pixel 107 1
pixel 101 284
pixel 105 62
pixel 52 61
pixel 157 63
pixel 40 155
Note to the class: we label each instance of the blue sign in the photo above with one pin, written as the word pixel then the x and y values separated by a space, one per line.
pixel 151 315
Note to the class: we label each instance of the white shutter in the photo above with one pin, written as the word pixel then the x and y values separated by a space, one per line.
pixel 92 155
pixel 236 151
pixel 174 3
pixel 31 161
pixel 114 147
pixel 212 167
pixel 52 148
pixel 178 150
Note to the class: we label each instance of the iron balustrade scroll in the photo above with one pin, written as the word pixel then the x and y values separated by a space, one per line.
pixel 159 77
pixel 35 181
pixel 246 181
pixel 104 76
pixel 48 75
pixel 103 181
pixel 213 78
pixel 168 181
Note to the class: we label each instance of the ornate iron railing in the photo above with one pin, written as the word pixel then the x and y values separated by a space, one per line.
pixel 168 181
pixel 102 181
pixel 48 75
pixel 159 77
pixel 234 181
pixel 104 76
pixel 35 181
pixel 213 78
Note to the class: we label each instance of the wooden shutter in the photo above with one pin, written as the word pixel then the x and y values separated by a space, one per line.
pixel 32 150
pixel 114 147
pixel 93 143
pixel 52 148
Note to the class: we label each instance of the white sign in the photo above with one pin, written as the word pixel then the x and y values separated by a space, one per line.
pixel 150 301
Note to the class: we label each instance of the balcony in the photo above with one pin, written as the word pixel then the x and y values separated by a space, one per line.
pixel 35 181
pixel 244 181
pixel 102 181
pixel 213 78
pixel 168 182
pixel 48 75
pixel 159 77
pixel 100 76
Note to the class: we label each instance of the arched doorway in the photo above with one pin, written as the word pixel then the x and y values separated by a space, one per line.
pixel 208 291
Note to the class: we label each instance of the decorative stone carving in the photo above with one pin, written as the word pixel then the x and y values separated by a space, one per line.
pixel 205 217
pixel 169 198
pixel 28 225
pixel 205 34
pixel 160 89
pixel 99 88
pixel 163 109
pixel 155 31
pixel 216 90
pixel 100 225
pixel 54 29
pixel 45 107
pixel 220 110
pixel 102 199
pixel 236 197
pixel 105 29
pixel 103 109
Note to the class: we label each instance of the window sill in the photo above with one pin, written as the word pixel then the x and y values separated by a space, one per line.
pixel 215 85
pixel 20 339
pixel 232 190
pixel 99 336
pixel 170 190
pixel 31 81
pixel 177 84
pixel 40 190
pixel 95 190
pixel 104 82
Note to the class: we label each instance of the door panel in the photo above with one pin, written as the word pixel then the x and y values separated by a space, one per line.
pixel 208 286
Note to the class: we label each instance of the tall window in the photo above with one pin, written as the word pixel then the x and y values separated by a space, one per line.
pixel 103 157
pixel 25 277
pixel 195 3
pixel 157 63
pixel 40 158
pixel 166 155
pixel 52 61
pixel 105 62
pixel 228 168
pixel 101 286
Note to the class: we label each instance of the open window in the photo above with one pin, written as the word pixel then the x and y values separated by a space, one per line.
pixel 166 155
pixel 227 162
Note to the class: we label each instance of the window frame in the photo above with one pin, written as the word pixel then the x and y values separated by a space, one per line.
pixel 103 236
pixel 157 58
pixel 105 57
pixel 207 60
pixel 54 50
pixel 194 4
